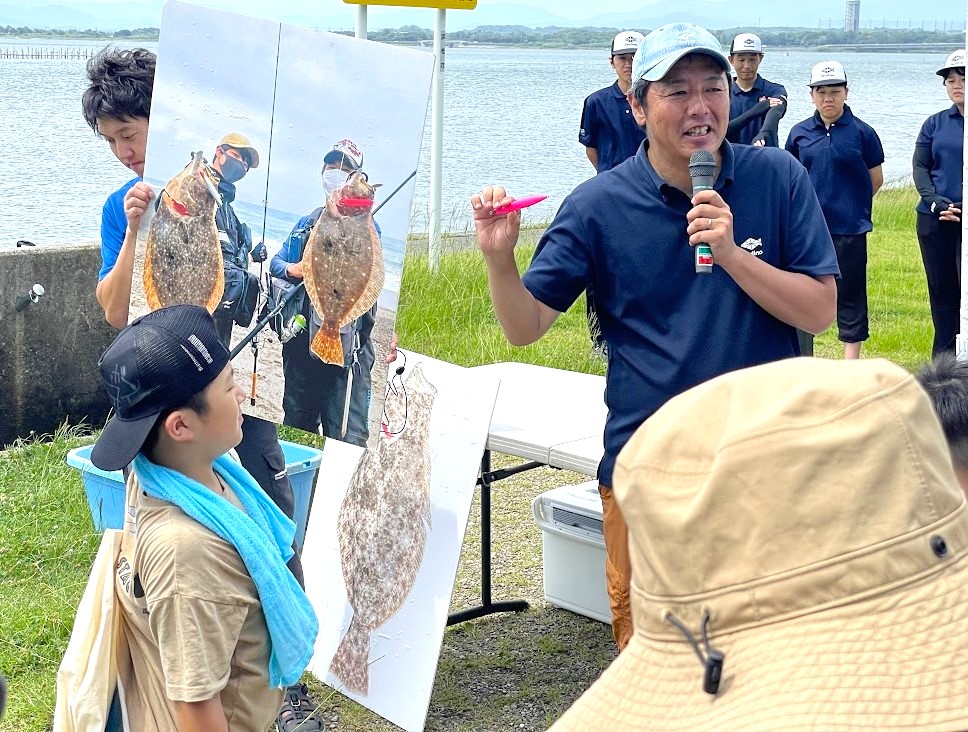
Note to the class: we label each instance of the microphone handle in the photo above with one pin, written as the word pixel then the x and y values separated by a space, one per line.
pixel 703 253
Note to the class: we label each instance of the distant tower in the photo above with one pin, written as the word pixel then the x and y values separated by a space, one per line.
pixel 852 16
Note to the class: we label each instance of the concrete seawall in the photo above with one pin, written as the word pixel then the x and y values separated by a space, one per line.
pixel 50 348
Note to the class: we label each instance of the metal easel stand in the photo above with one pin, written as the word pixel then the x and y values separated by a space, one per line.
pixel 487 607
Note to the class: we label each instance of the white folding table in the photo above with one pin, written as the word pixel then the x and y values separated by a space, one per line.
pixel 545 416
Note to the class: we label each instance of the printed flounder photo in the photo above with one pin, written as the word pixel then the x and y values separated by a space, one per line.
pixel 383 524
pixel 343 264
pixel 183 257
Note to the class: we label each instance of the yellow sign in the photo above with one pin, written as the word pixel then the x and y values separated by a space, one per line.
pixel 440 4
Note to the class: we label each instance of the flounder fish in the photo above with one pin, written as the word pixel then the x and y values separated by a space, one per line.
pixel 343 264
pixel 183 258
pixel 383 525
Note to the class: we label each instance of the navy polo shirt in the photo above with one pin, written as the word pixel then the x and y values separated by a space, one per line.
pixel 944 133
pixel 740 101
pixel 667 328
pixel 608 125
pixel 839 162
pixel 113 225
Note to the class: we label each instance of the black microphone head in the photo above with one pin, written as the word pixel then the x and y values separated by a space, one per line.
pixel 701 164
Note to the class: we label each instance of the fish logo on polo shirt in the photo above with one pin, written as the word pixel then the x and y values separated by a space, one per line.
pixel 753 246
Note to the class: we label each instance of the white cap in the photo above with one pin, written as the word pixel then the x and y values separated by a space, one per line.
pixel 955 61
pixel 626 42
pixel 746 43
pixel 828 73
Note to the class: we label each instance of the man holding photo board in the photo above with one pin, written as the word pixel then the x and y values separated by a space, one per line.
pixel 116 105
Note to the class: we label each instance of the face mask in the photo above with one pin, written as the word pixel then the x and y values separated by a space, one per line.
pixel 232 170
pixel 333 178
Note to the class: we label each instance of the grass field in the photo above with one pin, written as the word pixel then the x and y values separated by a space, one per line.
pixel 496 673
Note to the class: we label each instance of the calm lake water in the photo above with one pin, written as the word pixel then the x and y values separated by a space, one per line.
pixel 511 116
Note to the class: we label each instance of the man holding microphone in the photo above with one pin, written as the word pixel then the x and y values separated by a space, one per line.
pixel 628 233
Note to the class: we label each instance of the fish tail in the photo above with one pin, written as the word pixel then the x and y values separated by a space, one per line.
pixel 327 345
pixel 351 662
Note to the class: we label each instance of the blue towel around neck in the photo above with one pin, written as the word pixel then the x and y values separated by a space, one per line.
pixel 263 537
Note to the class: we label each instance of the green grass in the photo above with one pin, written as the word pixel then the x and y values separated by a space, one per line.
pixel 509 671
pixel 47 543
pixel 447 314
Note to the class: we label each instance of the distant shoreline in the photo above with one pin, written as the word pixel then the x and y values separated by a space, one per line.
pixel 839 48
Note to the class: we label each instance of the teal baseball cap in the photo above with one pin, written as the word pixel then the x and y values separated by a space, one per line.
pixel 667 44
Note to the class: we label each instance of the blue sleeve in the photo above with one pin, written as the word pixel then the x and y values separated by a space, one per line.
pixel 113 226
pixel 777 90
pixel 588 134
pixel 873 150
pixel 926 135
pixel 561 268
pixel 290 251
pixel 791 144
pixel 808 248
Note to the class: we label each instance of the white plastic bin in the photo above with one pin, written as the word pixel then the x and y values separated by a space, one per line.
pixel 573 544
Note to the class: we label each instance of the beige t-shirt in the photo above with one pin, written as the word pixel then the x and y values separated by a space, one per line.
pixel 192 625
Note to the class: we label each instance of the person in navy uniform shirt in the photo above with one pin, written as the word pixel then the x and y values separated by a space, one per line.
pixel 629 233
pixel 608 129
pixel 755 104
pixel 938 156
pixel 610 135
pixel 843 156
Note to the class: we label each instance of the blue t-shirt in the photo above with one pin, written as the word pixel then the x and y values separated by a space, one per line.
pixel 839 162
pixel 668 328
pixel 608 125
pixel 944 134
pixel 113 225
pixel 741 101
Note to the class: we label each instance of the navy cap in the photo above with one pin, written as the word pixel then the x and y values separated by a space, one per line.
pixel 157 363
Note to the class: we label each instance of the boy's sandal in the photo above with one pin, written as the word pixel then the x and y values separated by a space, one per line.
pixel 299 712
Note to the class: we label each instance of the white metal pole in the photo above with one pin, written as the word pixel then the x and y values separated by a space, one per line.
pixel 361 21
pixel 437 139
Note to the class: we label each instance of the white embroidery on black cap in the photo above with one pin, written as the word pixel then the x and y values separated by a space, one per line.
pixel 192 357
pixel 196 341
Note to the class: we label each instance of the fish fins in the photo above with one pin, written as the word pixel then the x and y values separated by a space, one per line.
pixel 374 285
pixel 351 662
pixel 148 279
pixel 218 288
pixel 327 345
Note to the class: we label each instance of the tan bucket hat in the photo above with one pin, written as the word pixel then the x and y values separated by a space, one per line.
pixel 241 142
pixel 808 510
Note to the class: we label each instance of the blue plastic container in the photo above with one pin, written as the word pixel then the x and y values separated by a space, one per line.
pixel 105 489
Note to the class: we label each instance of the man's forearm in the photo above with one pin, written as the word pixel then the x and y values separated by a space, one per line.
pixel 808 303
pixel 114 291
pixel 523 318
pixel 592 154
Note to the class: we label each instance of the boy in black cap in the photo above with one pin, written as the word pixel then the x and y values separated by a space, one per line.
pixel 213 623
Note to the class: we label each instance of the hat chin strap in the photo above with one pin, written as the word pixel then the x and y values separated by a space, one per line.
pixel 712 661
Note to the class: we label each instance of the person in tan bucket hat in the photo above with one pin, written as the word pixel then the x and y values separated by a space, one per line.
pixel 799 528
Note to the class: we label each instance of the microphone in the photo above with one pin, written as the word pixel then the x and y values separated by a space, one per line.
pixel 702 170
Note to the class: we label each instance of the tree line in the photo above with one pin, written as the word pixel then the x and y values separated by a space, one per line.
pixel 554 37
pixel 149 34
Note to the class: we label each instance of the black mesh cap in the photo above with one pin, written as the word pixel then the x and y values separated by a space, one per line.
pixel 156 363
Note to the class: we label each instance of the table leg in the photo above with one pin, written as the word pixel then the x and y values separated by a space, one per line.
pixel 487 607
